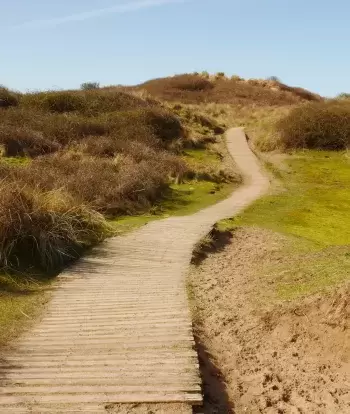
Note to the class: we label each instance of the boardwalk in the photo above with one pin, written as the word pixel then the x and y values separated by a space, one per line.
pixel 118 328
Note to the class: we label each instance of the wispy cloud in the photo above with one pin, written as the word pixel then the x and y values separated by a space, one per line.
pixel 92 14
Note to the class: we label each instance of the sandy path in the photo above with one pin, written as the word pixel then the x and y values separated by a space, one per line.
pixel 118 328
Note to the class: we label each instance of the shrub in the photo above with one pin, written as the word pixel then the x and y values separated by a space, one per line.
pixel 344 95
pixel 181 83
pixel 191 83
pixel 164 124
pixel 22 141
pixel 323 125
pixel 55 101
pixel 220 75
pixel 44 230
pixel 103 101
pixel 118 186
pixel 86 86
pixel 7 98
pixel 100 146
pixel 273 79
pixel 63 102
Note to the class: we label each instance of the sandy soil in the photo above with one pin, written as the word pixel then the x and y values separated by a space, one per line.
pixel 259 357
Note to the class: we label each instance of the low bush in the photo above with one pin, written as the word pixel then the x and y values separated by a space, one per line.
pixel 178 86
pixel 86 86
pixel 323 125
pixel 22 142
pixel 8 98
pixel 55 101
pixel 274 79
pixel 344 95
pixel 47 132
pixel 165 125
pixel 126 184
pixel 44 230
pixel 220 75
pixel 190 83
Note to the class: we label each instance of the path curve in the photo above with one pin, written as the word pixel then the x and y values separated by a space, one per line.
pixel 118 328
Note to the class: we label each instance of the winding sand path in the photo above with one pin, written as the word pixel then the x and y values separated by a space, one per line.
pixel 118 328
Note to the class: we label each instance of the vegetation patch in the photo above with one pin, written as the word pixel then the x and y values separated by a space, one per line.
pixel 315 202
pixel 322 125
pixel 312 212
pixel 200 88
pixel 8 98
pixel 22 298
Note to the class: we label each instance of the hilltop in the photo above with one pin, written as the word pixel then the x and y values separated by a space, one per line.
pixel 204 88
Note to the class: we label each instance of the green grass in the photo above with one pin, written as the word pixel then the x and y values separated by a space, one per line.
pixel 21 301
pixel 188 198
pixel 311 273
pixel 202 156
pixel 315 202
pixel 15 161
pixel 312 210
pixel 181 200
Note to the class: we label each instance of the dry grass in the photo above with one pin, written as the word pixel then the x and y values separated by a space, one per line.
pixel 259 121
pixel 8 98
pixel 86 153
pixel 195 88
pixel 44 230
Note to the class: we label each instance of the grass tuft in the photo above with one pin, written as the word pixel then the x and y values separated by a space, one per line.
pixel 44 230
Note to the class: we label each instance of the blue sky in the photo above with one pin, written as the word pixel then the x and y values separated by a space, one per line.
pixel 49 44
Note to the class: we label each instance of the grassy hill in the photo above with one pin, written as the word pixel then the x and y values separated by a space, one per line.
pixel 203 88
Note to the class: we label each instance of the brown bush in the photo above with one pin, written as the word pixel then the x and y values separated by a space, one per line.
pixel 153 126
pixel 88 103
pixel 190 83
pixel 44 230
pixel 8 98
pixel 60 102
pixel 44 133
pixel 324 125
pixel 128 183
pixel 103 101
pixel 25 142
pixel 164 124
